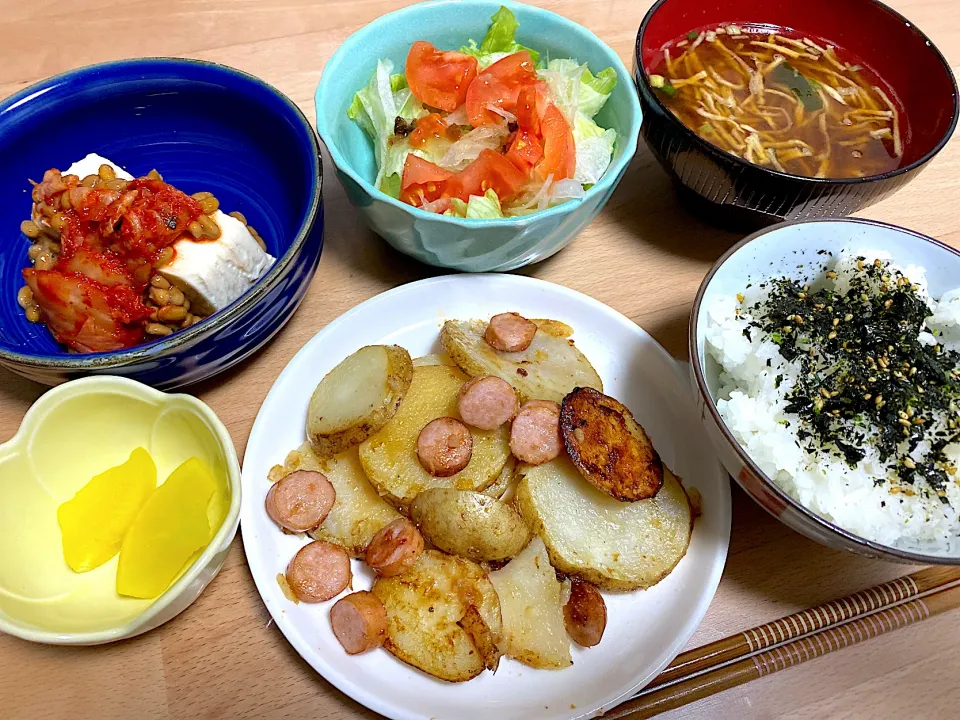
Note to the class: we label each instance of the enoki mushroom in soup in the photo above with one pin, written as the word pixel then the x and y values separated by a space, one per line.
pixel 782 100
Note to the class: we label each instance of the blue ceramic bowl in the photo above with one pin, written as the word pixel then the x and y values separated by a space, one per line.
pixel 470 245
pixel 203 127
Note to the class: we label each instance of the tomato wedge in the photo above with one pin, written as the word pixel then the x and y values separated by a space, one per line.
pixel 559 150
pixel 528 112
pixel 429 127
pixel 438 78
pixel 422 181
pixel 525 151
pixel 514 72
pixel 490 171
pixel 500 85
pixel 485 92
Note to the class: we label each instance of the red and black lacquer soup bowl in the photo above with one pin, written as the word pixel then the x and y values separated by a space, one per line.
pixel 733 192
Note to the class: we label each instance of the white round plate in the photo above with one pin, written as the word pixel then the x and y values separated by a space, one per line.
pixel 645 629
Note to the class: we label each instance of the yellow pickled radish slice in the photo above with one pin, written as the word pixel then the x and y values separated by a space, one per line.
pixel 174 524
pixel 94 522
pixel 220 502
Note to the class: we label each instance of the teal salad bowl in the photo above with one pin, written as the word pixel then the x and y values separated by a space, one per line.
pixel 467 244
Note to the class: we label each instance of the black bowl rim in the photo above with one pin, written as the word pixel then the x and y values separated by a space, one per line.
pixel 872 547
pixel 647 92
pixel 147 351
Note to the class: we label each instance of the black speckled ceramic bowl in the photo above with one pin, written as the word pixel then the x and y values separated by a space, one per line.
pixel 730 191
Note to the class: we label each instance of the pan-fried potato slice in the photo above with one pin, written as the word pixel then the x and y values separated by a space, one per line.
pixel 427 607
pixel 434 359
pixel 390 457
pixel 469 524
pixel 358 397
pixel 608 446
pixel 482 637
pixel 615 545
pixel 358 512
pixel 504 484
pixel 553 327
pixel 531 604
pixel 547 370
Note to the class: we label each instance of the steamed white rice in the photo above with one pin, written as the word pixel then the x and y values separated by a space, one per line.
pixel 753 408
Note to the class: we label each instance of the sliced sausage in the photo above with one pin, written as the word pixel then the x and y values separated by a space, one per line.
pixel 535 433
pixel 359 622
pixel 444 446
pixel 319 571
pixel 585 614
pixel 300 501
pixel 487 402
pixel 395 548
pixel 510 332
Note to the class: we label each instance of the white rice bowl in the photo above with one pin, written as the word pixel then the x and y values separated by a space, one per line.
pixel 754 411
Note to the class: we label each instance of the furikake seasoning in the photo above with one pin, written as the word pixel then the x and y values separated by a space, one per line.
pixel 865 376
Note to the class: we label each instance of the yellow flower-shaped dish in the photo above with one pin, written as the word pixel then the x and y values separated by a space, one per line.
pixel 71 434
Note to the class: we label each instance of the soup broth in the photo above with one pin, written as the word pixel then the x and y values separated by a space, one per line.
pixel 781 100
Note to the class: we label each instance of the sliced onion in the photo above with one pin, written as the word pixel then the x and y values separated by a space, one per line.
pixel 458 117
pixel 505 114
pixel 468 148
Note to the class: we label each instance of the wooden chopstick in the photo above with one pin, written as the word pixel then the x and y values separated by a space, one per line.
pixel 835 612
pixel 789 641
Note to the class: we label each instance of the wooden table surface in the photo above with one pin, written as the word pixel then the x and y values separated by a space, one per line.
pixel 643 256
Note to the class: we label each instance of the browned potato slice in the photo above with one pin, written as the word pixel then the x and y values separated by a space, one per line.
pixel 608 446
pixel 547 370
pixel 504 484
pixel 553 327
pixel 427 609
pixel 434 359
pixel 531 604
pixel 358 512
pixel 358 397
pixel 482 636
pixel 469 524
pixel 615 545
pixel 390 457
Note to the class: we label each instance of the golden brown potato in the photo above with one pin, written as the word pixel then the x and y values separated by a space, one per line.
pixel 440 358
pixel 358 512
pixel 531 604
pixel 553 327
pixel 503 486
pixel 469 524
pixel 482 637
pixel 608 446
pixel 427 608
pixel 547 370
pixel 358 397
pixel 615 545
pixel 390 457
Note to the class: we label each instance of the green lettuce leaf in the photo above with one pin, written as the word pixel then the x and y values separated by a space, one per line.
pixel 594 150
pixel 458 208
pixel 500 40
pixel 575 89
pixel 391 185
pixel 594 90
pixel 376 108
pixel 484 208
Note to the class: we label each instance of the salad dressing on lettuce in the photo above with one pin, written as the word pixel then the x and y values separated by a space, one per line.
pixel 489 131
